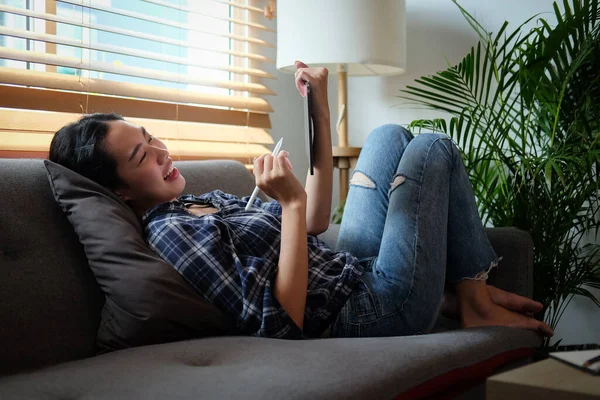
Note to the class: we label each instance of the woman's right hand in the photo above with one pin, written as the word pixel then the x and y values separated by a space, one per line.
pixel 317 77
pixel 273 175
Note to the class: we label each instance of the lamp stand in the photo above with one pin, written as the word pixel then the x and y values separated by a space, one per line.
pixel 342 128
pixel 344 157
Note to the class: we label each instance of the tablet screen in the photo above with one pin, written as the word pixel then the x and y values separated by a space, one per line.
pixel 309 128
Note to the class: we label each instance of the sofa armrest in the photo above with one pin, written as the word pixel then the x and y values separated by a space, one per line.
pixel 515 271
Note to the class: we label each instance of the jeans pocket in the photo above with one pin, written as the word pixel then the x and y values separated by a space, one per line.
pixel 363 303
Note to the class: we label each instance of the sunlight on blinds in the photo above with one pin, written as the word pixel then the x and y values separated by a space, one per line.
pixel 182 67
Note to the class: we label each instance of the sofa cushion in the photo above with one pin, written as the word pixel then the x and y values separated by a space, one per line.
pixel 259 368
pixel 50 302
pixel 147 301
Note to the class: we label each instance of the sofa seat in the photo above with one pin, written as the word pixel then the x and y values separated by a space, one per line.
pixel 50 313
pixel 247 367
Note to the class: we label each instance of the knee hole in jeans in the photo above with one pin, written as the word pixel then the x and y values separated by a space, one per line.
pixel 360 179
pixel 398 180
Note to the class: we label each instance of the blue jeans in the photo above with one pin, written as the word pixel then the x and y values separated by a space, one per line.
pixel 412 220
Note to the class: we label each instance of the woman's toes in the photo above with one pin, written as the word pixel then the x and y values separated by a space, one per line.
pixel 499 316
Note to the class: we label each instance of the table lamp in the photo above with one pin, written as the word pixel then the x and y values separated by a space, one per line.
pixel 349 37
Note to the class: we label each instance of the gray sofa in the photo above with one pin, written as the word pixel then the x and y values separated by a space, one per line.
pixel 50 308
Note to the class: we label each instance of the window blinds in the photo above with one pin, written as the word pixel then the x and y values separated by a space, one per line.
pixel 185 69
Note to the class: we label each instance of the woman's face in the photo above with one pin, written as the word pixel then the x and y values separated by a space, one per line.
pixel 143 162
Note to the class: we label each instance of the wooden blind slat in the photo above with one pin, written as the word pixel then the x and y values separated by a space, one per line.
pixel 52 40
pixel 166 22
pixel 241 6
pixel 72 83
pixel 53 100
pixel 199 11
pixel 120 31
pixel 24 141
pixel 50 122
pixel 99 66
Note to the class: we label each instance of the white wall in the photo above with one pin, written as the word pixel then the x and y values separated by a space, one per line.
pixel 437 34
pixel 581 321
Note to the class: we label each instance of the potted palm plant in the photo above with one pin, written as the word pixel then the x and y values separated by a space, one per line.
pixel 524 108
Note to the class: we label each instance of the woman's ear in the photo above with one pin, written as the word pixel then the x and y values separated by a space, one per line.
pixel 122 195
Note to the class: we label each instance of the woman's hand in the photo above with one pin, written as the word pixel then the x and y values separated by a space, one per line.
pixel 273 175
pixel 317 77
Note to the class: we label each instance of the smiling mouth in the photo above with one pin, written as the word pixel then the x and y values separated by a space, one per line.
pixel 169 173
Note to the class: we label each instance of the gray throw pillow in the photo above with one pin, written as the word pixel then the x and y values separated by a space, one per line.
pixel 147 301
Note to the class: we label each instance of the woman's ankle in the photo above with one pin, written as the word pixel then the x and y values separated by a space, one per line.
pixel 473 296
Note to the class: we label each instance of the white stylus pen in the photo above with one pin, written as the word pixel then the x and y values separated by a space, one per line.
pixel 256 189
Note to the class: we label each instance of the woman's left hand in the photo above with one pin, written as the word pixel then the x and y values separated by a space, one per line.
pixel 317 77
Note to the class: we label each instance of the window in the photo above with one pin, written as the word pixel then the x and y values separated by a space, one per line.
pixel 185 69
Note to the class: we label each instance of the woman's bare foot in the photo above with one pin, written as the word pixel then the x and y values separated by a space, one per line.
pixel 495 315
pixel 514 302
pixel 477 308
pixel 510 301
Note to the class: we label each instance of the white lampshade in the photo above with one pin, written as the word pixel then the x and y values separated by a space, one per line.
pixel 367 36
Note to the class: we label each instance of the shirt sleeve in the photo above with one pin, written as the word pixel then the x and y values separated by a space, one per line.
pixel 241 286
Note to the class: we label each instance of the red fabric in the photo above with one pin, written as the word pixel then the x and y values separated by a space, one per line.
pixel 452 383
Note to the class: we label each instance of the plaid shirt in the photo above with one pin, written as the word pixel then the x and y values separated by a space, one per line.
pixel 231 258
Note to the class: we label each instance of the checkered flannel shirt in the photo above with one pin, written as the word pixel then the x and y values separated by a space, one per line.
pixel 231 258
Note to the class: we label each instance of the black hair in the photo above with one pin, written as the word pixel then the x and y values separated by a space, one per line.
pixel 81 147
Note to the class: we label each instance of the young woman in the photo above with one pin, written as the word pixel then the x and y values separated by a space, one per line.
pixel 410 226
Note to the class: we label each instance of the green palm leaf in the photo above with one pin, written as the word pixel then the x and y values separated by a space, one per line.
pixel 524 109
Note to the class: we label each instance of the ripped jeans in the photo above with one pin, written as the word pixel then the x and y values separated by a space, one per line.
pixel 411 219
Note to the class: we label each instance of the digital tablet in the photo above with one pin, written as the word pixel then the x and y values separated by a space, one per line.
pixel 574 355
pixel 309 129
pixel 577 359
